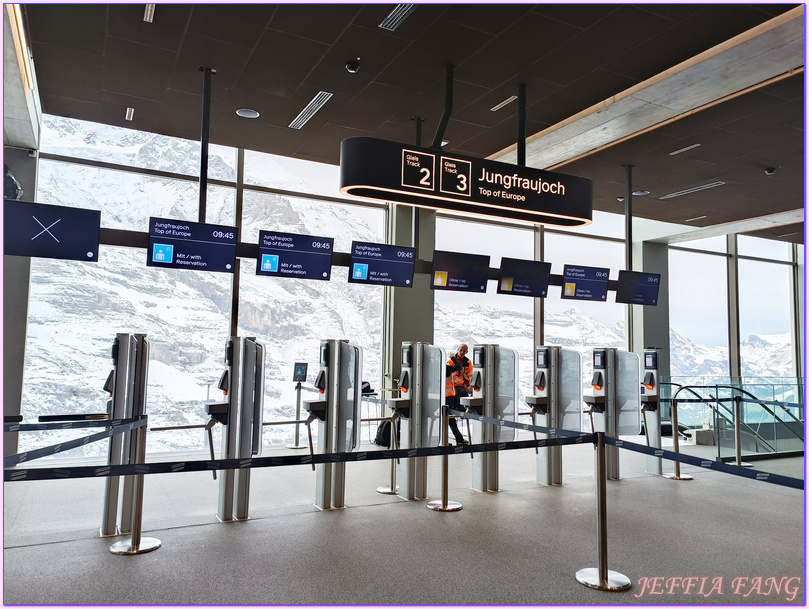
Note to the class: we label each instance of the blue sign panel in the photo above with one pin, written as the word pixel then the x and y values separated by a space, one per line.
pixel 290 255
pixel 637 288
pixel 459 272
pixel 585 283
pixel 524 277
pixel 176 244
pixel 50 231
pixel 381 264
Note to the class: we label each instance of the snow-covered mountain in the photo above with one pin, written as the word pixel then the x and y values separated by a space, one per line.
pixel 77 308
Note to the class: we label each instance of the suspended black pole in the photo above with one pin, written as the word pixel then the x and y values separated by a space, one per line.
pixel 415 217
pixel 442 126
pixel 419 121
pixel 628 216
pixel 206 127
pixel 521 125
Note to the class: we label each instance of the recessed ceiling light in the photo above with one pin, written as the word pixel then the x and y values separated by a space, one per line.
pixel 640 193
pixel 247 113
pixel 505 102
pixel 148 14
pixel 311 108
pixel 691 147
pixel 130 113
pixel 397 15
pixel 621 199
pixel 697 218
pixel 444 142
pixel 688 191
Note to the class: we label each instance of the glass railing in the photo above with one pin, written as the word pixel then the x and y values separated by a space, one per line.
pixel 770 413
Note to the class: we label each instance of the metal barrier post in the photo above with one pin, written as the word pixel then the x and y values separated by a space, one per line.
pixel 737 432
pixel 137 544
pixel 444 505
pixel 601 578
pixel 393 489
pixel 675 431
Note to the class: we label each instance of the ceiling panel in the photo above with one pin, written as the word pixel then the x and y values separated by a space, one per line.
pixel 92 61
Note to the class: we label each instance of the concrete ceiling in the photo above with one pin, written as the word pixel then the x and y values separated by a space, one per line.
pixel 606 85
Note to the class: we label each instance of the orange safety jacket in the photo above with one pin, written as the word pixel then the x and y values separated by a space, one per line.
pixel 459 378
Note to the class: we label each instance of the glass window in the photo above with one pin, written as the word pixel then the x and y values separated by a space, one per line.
pixel 75 311
pixel 698 314
pixel 286 173
pixel 765 320
pixel 95 142
pixel 291 316
pixel 127 200
pixel 763 248
pixel 488 318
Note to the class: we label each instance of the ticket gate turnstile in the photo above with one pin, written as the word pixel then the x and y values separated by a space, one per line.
pixel 421 387
pixel 650 400
pixel 556 403
pixel 495 380
pixel 338 414
pixel 126 384
pixel 242 417
pixel 615 402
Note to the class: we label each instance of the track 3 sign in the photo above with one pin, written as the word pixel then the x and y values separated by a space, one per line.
pixel 388 171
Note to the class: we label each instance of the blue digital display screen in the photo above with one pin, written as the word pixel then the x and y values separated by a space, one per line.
pixel 585 283
pixel 524 277
pixel 291 255
pixel 380 264
pixel 459 272
pixel 637 288
pixel 177 244
pixel 50 231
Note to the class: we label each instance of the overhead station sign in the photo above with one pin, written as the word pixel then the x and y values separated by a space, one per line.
pixel 637 288
pixel 177 244
pixel 524 277
pixel 380 264
pixel 585 283
pixel 425 177
pixel 291 255
pixel 459 272
pixel 50 231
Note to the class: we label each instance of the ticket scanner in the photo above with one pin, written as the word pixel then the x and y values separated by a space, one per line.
pixel 615 401
pixel 337 412
pixel 650 408
pixel 242 418
pixel 421 394
pixel 556 403
pixel 495 381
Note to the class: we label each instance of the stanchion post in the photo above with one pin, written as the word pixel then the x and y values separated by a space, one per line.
pixel 444 505
pixel 675 431
pixel 602 578
pixel 137 544
pixel 737 432
pixel 393 489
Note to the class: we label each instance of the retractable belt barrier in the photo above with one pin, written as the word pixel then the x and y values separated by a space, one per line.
pixel 708 464
pixel 117 426
pixel 124 425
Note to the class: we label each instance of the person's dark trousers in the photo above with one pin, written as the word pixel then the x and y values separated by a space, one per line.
pixel 453 401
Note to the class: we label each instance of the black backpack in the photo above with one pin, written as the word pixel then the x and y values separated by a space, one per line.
pixel 383 434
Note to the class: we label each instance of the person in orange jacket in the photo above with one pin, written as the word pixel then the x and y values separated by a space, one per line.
pixel 459 376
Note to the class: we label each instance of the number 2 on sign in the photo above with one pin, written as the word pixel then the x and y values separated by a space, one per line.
pixel 425 181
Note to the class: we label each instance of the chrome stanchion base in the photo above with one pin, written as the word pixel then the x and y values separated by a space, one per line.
pixel 743 464
pixel 387 490
pixel 438 506
pixel 671 476
pixel 147 544
pixel 297 446
pixel 615 581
